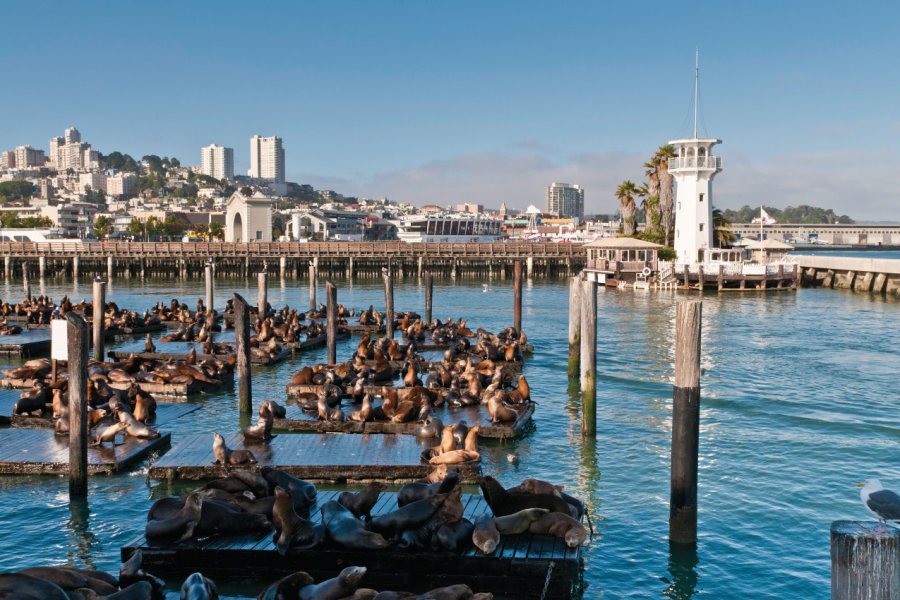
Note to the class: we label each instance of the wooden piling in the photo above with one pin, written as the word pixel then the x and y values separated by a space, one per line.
pixel 517 296
pixel 588 358
pixel 865 564
pixel 429 288
pixel 388 302
pixel 262 293
pixel 312 287
pixel 99 318
pixel 331 325
pixel 574 327
pixel 209 290
pixel 685 423
pixel 77 346
pixel 242 349
pixel 26 284
pixel 720 280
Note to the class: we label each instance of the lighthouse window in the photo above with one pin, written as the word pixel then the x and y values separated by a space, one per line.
pixel 679 206
pixel 701 226
pixel 701 197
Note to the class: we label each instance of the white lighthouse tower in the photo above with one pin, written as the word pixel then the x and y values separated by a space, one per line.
pixel 693 170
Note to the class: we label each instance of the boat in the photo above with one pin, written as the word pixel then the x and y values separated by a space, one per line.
pixel 448 228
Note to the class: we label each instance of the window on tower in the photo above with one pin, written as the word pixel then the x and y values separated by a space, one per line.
pixel 701 226
pixel 701 197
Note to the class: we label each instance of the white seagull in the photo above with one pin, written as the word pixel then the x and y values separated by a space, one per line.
pixel 882 503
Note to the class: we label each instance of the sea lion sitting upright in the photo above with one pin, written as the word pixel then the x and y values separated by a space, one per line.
pixel 287 587
pixel 262 431
pixel 198 587
pixel 291 530
pixel 362 503
pixel 346 530
pixel 226 457
pixel 342 586
pixel 132 571
pixel 302 492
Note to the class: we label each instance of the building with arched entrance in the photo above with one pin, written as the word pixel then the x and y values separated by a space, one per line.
pixel 248 219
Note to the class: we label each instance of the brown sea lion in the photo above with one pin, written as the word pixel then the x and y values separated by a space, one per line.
pixel 561 526
pixel 459 591
pixel 454 537
pixel 363 414
pixel 291 530
pixel 502 502
pixel 109 434
pixel 346 530
pixel 486 536
pixel 262 431
pixel 362 503
pixel 418 491
pixel 179 527
pixel 226 457
pixel 343 585
pixel 144 407
pixel 519 522
pixel 26 587
pixel 132 571
pixel 149 346
pixel 198 587
pixel 286 588
pixel 409 516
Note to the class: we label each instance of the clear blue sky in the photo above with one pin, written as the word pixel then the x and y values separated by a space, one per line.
pixel 456 101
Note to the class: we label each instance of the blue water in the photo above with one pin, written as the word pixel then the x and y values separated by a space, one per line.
pixel 799 403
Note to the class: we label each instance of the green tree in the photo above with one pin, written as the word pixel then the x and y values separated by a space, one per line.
pixel 16 190
pixel 216 231
pixel 722 233
pixel 247 190
pixel 171 227
pixel 102 227
pixel 137 229
pixel 666 189
pixel 625 193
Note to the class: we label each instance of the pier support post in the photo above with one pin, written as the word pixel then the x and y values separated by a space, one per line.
pixel 75 268
pixel 312 286
pixel 282 266
pixel 210 311
pixel 796 271
pixel 453 270
pixel 26 283
pixel 262 295
pixel 98 317
pixel 865 565
pixel 7 266
pixel 588 358
pixel 429 288
pixel 242 350
pixel 388 302
pixel 77 346
pixel 574 327
pixel 350 269
pixel 143 265
pixel 42 266
pixel 109 268
pixel 721 278
pixel 685 423
pixel 687 278
pixel 529 263
pixel 517 296
pixel 701 279
pixel 331 324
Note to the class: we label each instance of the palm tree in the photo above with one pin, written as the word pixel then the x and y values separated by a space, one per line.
pixel 722 233
pixel 666 185
pixel 625 193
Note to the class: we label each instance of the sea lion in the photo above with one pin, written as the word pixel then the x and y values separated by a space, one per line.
pixel 165 508
pixel 362 503
pixel 348 531
pixel 262 431
pixel 278 411
pixel 220 516
pixel 144 407
pixel 109 434
pixel 431 427
pixel 132 571
pixel 181 526
pixel 343 585
pixel 226 457
pixel 67 579
pixel 291 530
pixel 561 526
pixel 363 414
pixel 460 430
pixel 409 516
pixel 418 491
pixel 149 346
pixel 486 536
pixel 519 522
pixel 26 587
pixel 302 492
pixel 454 537
pixel 459 591
pixel 286 588
pixel 135 428
pixel 255 482
pixel 498 411
pixel 198 587
pixel 504 503
pixel 455 457
pixel 530 485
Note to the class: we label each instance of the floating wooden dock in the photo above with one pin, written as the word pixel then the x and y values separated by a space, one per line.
pixel 120 355
pixel 30 342
pixel 165 413
pixel 518 569
pixel 358 329
pixel 42 452
pixel 317 457
pixel 299 420
pixel 168 390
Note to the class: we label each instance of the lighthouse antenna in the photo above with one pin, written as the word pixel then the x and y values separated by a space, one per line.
pixel 696 87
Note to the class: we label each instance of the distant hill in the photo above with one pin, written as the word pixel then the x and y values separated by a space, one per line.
pixel 803 214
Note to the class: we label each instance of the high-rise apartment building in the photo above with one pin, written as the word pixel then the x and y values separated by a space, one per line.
pixel 266 159
pixel 72 136
pixel 565 200
pixel 217 162
pixel 68 152
pixel 120 184
pixel 8 159
pixel 28 157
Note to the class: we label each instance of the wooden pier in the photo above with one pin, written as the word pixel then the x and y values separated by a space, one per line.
pixel 518 568
pixel 744 278
pixel 316 457
pixel 299 420
pixel 42 452
pixel 29 343
pixel 165 413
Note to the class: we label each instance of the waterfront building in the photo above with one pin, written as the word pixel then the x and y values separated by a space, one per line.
pixel 217 162
pixel 248 219
pixel 266 159
pixel 565 200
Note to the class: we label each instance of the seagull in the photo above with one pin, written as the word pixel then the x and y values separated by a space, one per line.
pixel 882 503
pixel 485 288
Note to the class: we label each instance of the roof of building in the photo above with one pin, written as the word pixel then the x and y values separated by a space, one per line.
pixel 621 242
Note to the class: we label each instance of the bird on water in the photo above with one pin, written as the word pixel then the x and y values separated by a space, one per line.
pixel 884 504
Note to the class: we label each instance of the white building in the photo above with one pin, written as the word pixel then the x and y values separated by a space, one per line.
pixel 266 159
pixel 248 219
pixel 96 181
pixel 120 184
pixel 75 219
pixel 217 161
pixel 28 158
pixel 565 200
pixel 69 152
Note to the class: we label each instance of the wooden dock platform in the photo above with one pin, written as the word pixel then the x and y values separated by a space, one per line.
pixel 517 570
pixel 317 457
pixel 42 452
pixel 299 420
pixel 165 413
pixel 167 390
pixel 30 342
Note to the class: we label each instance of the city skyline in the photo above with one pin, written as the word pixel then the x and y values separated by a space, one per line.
pixel 445 113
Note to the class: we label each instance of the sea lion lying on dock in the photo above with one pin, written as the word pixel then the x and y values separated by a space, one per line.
pixel 346 530
pixel 502 502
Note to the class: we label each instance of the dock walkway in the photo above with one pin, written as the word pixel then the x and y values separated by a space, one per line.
pixel 30 342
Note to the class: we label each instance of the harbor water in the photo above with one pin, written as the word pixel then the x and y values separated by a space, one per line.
pixel 799 403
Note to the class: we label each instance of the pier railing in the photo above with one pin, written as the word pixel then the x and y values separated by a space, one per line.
pixel 288 249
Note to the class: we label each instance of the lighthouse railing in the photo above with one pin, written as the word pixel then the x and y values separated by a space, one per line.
pixel 695 162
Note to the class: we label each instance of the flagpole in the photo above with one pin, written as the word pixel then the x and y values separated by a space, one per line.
pixel 761 223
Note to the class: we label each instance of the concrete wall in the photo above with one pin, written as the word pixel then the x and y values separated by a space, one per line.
pixel 879 275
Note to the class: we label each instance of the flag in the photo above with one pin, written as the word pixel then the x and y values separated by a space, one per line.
pixel 764 217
